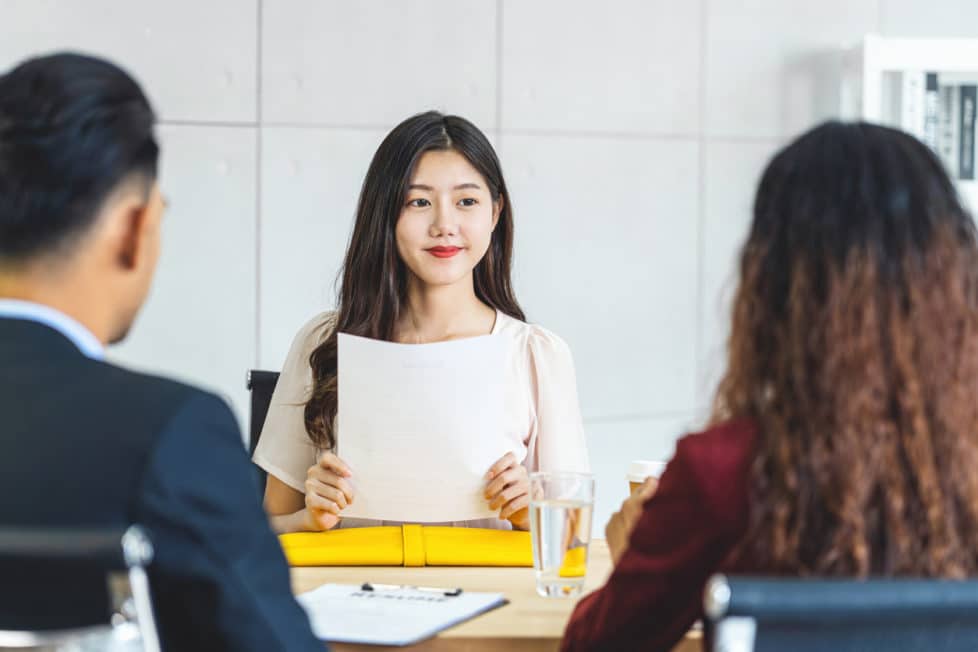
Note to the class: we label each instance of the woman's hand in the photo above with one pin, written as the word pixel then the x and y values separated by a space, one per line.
pixel 622 523
pixel 328 492
pixel 508 490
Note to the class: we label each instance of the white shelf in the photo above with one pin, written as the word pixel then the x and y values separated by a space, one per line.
pixel 947 54
pixel 867 66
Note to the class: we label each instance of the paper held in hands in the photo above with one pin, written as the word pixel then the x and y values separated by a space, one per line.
pixel 419 426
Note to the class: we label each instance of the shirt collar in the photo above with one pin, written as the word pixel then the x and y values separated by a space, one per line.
pixel 80 336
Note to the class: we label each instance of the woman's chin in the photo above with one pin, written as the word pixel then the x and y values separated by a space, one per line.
pixel 446 275
pixel 443 280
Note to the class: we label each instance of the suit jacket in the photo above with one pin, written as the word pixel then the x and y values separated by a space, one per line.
pixel 687 532
pixel 87 443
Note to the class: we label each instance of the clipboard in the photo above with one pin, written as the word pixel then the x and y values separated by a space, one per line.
pixel 379 614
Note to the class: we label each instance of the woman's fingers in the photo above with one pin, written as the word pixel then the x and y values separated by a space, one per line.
pixel 516 474
pixel 509 486
pixel 317 520
pixel 615 535
pixel 331 462
pixel 633 508
pixel 324 520
pixel 317 503
pixel 507 494
pixel 647 490
pixel 329 492
pixel 317 475
pixel 506 461
pixel 513 506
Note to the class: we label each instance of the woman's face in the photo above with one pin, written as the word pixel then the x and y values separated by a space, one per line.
pixel 446 221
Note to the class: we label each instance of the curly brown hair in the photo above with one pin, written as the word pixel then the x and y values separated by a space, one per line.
pixel 854 349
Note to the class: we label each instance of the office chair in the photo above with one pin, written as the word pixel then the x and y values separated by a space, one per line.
pixel 117 557
pixel 261 384
pixel 752 614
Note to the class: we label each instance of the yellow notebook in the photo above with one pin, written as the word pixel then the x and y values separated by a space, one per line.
pixel 408 545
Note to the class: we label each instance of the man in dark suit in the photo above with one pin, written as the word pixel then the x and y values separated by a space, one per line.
pixel 84 442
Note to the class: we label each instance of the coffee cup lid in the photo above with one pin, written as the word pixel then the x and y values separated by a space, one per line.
pixel 639 470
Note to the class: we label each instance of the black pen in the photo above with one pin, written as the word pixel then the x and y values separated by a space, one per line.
pixel 367 586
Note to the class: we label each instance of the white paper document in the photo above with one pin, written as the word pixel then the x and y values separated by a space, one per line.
pixel 420 425
pixel 343 613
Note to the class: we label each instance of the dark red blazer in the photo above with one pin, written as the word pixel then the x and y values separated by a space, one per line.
pixel 687 532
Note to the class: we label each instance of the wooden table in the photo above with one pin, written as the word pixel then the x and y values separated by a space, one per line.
pixel 528 623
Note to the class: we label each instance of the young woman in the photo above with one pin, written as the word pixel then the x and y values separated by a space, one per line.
pixel 845 431
pixel 429 261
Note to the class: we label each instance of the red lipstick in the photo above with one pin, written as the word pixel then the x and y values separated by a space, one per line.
pixel 444 252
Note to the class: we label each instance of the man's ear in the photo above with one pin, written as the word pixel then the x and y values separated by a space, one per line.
pixel 132 227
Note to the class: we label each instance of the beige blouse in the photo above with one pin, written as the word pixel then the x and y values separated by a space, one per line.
pixel 543 419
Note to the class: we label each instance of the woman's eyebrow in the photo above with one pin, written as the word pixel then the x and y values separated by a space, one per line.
pixel 461 186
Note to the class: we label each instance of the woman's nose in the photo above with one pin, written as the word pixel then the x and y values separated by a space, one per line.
pixel 443 221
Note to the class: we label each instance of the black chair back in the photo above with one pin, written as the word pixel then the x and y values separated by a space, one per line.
pixel 261 384
pixel 81 587
pixel 750 614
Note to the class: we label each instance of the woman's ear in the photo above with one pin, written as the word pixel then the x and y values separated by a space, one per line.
pixel 497 210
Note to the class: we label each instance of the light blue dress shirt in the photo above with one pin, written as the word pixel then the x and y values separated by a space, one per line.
pixel 78 334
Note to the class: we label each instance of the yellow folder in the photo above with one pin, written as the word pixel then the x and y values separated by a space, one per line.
pixel 408 545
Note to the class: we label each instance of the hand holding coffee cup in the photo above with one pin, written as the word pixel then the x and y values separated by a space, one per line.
pixel 641 470
pixel 643 478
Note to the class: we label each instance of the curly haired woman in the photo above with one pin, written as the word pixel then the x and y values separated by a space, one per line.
pixel 844 437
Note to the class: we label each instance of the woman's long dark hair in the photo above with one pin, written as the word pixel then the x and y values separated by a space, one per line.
pixel 373 289
pixel 854 349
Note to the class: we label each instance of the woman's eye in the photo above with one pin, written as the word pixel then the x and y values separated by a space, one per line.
pixel 419 203
pixel 468 201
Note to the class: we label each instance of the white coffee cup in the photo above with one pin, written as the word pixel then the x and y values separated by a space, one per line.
pixel 641 470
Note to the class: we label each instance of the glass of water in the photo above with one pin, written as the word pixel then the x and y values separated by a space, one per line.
pixel 560 527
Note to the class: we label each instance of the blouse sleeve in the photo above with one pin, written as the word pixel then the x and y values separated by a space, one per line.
pixel 557 441
pixel 284 448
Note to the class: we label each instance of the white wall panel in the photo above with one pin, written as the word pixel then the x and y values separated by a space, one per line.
pixel 733 170
pixel 310 182
pixel 605 253
pixel 614 66
pixel 376 63
pixel 939 18
pixel 197 61
pixel 772 66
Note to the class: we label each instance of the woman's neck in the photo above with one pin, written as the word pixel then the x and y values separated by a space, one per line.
pixel 448 312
